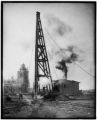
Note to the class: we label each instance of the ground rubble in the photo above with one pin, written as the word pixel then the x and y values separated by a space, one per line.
pixel 56 109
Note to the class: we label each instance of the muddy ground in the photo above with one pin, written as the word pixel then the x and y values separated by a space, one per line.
pixel 54 109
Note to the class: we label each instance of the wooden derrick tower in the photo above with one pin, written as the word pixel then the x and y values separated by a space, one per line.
pixel 41 58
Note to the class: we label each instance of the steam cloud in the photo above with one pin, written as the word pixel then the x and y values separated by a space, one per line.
pixel 73 57
pixel 58 27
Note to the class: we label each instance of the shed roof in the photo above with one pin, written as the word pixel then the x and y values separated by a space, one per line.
pixel 64 81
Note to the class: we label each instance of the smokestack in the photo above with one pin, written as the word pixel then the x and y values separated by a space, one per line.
pixel 65 70
pixel 62 66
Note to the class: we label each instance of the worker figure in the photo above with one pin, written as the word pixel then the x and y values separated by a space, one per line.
pixel 20 96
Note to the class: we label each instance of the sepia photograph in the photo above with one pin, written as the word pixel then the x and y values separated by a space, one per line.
pixel 48 60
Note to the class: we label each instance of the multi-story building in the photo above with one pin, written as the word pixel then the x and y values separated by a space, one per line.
pixel 22 79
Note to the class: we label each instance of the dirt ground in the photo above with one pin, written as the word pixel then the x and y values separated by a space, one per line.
pixel 56 109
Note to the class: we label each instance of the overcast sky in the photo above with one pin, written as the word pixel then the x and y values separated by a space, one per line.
pixel 66 24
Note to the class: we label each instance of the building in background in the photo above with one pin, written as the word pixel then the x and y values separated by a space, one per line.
pixel 23 79
pixel 20 85
pixel 10 86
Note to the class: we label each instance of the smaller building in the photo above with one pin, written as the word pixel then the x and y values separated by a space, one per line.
pixel 10 87
pixel 66 87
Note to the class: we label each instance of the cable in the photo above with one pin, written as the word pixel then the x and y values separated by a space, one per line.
pixel 52 39
pixel 63 56
pixel 53 67
pixel 54 42
pixel 49 53
pixel 84 69
pixel 52 63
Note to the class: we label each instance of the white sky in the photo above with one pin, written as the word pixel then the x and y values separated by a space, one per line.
pixel 19 38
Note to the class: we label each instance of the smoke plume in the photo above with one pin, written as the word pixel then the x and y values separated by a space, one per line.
pixel 70 55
